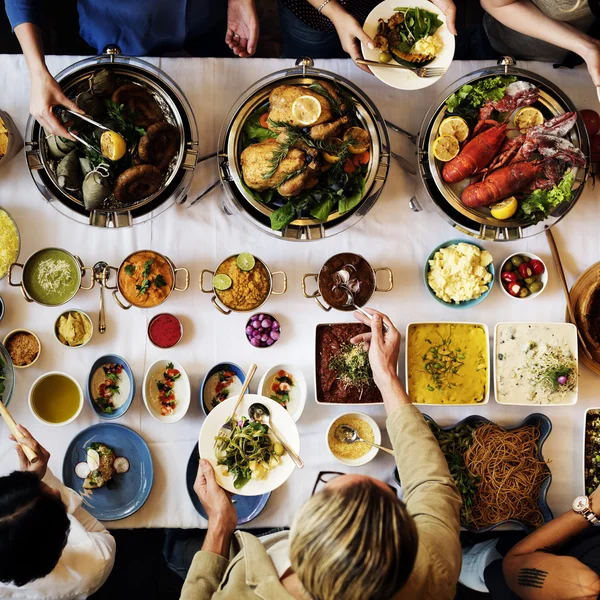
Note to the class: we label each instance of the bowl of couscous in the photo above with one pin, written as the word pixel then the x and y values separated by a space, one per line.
pixel 459 274
pixel 358 453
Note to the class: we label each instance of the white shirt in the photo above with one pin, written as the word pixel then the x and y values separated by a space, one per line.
pixel 86 561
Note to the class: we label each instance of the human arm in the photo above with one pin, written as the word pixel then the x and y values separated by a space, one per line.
pixel 533 573
pixel 45 93
pixel 209 565
pixel 242 27
pixel 526 18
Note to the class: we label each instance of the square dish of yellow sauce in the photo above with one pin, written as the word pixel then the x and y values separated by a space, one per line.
pixel 447 363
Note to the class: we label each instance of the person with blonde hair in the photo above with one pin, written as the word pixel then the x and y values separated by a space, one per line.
pixel 354 539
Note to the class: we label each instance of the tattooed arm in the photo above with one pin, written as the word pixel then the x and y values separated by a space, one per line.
pixel 533 574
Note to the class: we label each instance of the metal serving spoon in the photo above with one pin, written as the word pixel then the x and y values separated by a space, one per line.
pixel 98 273
pixel 351 302
pixel 260 413
pixel 349 435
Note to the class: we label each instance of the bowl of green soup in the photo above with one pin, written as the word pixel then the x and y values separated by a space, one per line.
pixel 50 277
pixel 55 399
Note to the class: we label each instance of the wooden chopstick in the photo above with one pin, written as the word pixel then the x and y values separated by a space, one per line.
pixel 12 425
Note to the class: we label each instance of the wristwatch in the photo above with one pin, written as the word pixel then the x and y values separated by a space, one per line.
pixel 581 505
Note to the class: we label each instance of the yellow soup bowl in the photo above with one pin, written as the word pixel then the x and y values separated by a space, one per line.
pixel 55 399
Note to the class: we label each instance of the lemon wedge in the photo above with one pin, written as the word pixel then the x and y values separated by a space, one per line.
pixel 112 145
pixel 504 209
pixel 527 118
pixel 333 158
pixel 306 110
pixel 455 126
pixel 446 147
pixel 358 138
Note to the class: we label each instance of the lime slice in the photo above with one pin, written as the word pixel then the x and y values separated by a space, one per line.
pixel 222 282
pixel 245 261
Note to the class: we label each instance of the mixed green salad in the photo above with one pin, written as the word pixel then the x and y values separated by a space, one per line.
pixel 541 203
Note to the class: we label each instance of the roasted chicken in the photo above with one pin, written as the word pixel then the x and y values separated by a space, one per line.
pixel 282 99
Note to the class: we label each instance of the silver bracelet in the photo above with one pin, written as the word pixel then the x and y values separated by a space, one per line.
pixel 323 5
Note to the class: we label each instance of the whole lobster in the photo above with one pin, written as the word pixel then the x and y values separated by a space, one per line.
pixel 502 183
pixel 476 154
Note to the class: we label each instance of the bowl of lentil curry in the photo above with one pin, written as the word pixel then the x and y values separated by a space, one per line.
pixel 145 279
pixel 23 347
pixel 357 453
pixel 241 283
pixel 50 277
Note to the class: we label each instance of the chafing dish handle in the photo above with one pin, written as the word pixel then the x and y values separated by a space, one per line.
pixel 390 279
pixel 116 297
pixel 20 284
pixel 225 311
pixel 187 279
pixel 284 283
pixel 316 294
pixel 105 278
pixel 83 270
pixel 211 290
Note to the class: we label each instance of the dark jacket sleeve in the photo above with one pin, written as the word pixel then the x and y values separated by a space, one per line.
pixel 25 11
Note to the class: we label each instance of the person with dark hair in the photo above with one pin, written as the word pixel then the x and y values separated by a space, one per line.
pixel 50 547
pixel 354 538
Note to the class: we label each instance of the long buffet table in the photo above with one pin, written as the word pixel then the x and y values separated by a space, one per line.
pixel 390 235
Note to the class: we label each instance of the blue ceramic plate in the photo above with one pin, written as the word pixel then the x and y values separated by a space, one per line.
pixel 103 360
pixel 9 375
pixel 229 366
pixel 125 493
pixel 545 427
pixel 467 303
pixel 247 507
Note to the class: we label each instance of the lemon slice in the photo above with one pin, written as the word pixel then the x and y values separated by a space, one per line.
pixel 455 126
pixel 504 209
pixel 446 147
pixel 333 158
pixel 358 138
pixel 112 145
pixel 245 261
pixel 527 118
pixel 306 110
pixel 222 282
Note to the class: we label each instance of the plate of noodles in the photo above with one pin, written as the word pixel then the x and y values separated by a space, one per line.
pixel 500 471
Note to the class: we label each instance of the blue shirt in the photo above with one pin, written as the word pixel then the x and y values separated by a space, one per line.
pixel 138 27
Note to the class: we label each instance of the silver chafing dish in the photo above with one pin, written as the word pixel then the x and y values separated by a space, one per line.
pixel 435 195
pixel 237 198
pixel 177 111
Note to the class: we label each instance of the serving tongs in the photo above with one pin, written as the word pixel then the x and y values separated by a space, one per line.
pixel 91 121
pixel 226 429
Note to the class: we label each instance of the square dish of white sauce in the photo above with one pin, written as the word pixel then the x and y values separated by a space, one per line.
pixel 535 363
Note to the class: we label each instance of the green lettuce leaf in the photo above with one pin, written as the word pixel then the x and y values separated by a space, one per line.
pixel 283 216
pixel 477 94
pixel 254 130
pixel 539 204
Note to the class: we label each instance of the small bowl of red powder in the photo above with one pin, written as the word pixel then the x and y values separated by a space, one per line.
pixel 165 330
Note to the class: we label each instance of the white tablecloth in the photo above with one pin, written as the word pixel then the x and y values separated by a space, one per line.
pixel 390 235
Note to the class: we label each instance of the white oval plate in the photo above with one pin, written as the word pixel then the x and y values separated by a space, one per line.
pixel 400 78
pixel 182 392
pixel 284 424
pixel 298 393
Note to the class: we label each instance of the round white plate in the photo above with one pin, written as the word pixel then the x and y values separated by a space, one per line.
pixel 401 78
pixel 285 426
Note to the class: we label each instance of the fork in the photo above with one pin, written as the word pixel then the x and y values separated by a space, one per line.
pixel 227 428
pixel 420 71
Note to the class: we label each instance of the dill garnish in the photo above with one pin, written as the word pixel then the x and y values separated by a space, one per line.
pixel 442 361
pixel 352 366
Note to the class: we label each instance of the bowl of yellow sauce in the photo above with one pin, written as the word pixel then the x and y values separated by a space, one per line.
pixel 55 399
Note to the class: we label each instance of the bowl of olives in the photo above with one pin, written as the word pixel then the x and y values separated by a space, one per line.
pixel 523 275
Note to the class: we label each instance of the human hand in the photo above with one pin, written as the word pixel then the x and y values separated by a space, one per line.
pixel 592 60
pixel 449 9
pixel 215 500
pixel 39 467
pixel 350 33
pixel 46 93
pixel 242 27
pixel 383 348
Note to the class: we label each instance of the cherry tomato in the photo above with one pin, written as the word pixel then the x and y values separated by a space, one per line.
pixel 509 276
pixel 170 373
pixel 537 266
pixel 264 120
pixel 514 288
pixel 349 166
pixel 525 270
pixel 595 148
pixel 591 120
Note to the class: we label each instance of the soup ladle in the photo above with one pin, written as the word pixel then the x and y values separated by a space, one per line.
pixel 349 435
pixel 260 413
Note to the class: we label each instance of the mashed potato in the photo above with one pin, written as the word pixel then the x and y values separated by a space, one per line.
pixel 430 45
pixel 459 272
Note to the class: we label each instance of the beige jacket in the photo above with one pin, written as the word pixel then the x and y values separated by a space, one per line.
pixel 431 498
